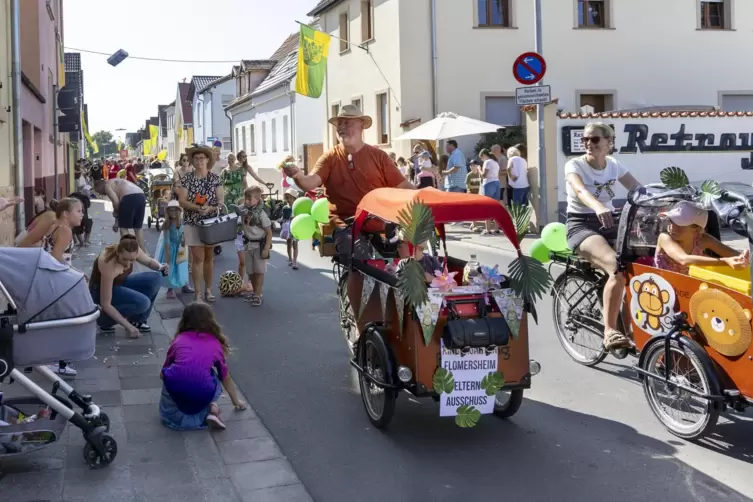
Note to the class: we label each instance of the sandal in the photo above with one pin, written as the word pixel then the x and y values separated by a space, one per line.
pixel 256 301
pixel 613 339
pixel 209 297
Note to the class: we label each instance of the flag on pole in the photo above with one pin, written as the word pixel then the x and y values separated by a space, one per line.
pixel 313 48
pixel 153 134
pixel 85 129
pixel 61 65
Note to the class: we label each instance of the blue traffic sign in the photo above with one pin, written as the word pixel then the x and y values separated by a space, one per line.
pixel 529 68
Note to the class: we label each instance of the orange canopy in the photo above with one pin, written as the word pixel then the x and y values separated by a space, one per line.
pixel 446 207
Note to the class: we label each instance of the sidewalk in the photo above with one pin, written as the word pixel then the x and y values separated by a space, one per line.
pixel 242 463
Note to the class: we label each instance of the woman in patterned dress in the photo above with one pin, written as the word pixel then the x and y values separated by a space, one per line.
pixel 200 194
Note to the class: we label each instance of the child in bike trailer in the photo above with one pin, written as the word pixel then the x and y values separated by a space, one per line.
pixel 291 194
pixel 685 241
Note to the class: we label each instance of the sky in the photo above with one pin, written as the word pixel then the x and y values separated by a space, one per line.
pixel 125 96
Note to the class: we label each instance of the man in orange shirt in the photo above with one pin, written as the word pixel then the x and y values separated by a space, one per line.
pixel 348 172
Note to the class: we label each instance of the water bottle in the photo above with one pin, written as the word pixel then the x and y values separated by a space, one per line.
pixel 471 270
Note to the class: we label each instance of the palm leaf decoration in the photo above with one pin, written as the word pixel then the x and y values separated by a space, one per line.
pixel 710 191
pixel 673 177
pixel 521 218
pixel 530 280
pixel 417 224
pixel 411 283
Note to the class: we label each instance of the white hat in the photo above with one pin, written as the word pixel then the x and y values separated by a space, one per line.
pixel 173 203
pixel 685 213
pixel 293 192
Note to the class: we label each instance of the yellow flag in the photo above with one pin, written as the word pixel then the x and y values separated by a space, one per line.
pixel 313 49
pixel 179 126
pixel 61 65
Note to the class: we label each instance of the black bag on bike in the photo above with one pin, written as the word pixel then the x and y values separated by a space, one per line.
pixel 475 332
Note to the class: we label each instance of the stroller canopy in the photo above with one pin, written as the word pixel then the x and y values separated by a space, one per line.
pixel 42 288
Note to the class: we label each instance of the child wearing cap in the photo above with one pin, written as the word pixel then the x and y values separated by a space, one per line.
pixel 685 241
pixel 171 248
pixel 291 194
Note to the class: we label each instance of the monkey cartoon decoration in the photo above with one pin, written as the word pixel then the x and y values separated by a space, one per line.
pixel 653 300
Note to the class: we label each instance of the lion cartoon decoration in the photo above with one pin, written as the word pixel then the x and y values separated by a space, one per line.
pixel 724 323
pixel 653 302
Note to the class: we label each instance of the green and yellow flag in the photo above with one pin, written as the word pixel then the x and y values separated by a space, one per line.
pixel 85 130
pixel 313 48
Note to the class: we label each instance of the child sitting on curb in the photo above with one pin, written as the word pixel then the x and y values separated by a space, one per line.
pixel 257 236
pixel 291 194
pixel 194 373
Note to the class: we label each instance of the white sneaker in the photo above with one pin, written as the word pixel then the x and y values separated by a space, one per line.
pixel 68 371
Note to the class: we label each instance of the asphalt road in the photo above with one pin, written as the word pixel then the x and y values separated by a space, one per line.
pixel 581 434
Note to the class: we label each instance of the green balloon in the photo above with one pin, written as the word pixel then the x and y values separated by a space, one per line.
pixel 554 236
pixel 538 251
pixel 303 227
pixel 320 211
pixel 302 206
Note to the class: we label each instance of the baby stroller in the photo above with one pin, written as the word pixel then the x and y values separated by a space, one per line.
pixel 50 317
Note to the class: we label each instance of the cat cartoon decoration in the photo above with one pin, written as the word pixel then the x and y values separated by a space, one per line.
pixel 652 303
pixel 721 319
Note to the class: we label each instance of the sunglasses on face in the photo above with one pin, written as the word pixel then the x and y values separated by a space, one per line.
pixel 593 139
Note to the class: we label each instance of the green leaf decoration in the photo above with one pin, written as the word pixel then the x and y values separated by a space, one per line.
pixel 492 382
pixel 468 416
pixel 411 283
pixel 673 177
pixel 529 279
pixel 417 223
pixel 710 191
pixel 521 218
pixel 443 381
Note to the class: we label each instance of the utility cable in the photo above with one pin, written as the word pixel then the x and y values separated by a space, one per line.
pixel 164 60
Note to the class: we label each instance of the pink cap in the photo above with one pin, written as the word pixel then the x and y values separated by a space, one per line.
pixel 685 213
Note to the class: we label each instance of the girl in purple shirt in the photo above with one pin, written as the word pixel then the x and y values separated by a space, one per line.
pixel 195 371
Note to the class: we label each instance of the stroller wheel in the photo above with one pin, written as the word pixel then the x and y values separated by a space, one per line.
pixel 217 250
pixel 94 459
pixel 102 421
pixel 149 222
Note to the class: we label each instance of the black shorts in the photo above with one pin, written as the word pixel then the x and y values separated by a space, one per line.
pixel 131 211
pixel 582 226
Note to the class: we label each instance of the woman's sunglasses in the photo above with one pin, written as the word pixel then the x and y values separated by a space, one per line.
pixel 593 139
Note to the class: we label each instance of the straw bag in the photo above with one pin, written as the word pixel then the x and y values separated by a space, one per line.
pixel 218 229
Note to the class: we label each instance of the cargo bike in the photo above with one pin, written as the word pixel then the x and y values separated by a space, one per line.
pixel 690 333
pixel 465 345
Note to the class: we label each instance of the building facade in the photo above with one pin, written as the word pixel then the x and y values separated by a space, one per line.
pixel 7 161
pixel 41 64
pixel 209 96
pixel 598 54
pixel 182 120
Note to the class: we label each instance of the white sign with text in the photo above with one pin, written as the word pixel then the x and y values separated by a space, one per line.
pixel 468 369
pixel 533 95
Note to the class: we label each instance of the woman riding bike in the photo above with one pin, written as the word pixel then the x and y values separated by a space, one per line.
pixel 590 223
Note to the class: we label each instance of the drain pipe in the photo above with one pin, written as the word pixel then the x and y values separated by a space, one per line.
pixel 232 133
pixel 293 146
pixel 18 138
pixel 55 138
pixel 434 72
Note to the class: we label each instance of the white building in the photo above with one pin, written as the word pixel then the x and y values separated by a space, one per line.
pixel 271 121
pixel 209 96
pixel 172 155
pixel 605 53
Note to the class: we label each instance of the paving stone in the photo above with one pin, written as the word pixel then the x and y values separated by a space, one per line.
pixel 171 312
pixel 146 359
pixel 185 493
pixel 161 478
pixel 106 398
pixel 242 429
pixel 115 413
pixel 141 396
pixel 142 382
pixel 248 450
pixel 138 370
pixel 147 431
pixel 97 484
pixel 130 349
pixel 45 460
pixel 232 415
pixel 100 371
pixel 204 455
pixel 89 386
pixel 287 493
pixel 32 486
pixel 165 450
pixel 220 490
pixel 140 413
pixel 257 475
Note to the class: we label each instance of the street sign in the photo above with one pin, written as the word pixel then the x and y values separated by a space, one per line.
pixel 529 68
pixel 536 95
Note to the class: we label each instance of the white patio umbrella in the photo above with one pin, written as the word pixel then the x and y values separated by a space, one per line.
pixel 449 125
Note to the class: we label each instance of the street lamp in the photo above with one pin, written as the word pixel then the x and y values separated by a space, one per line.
pixel 117 58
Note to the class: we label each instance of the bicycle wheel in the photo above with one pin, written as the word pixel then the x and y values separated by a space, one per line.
pixel 348 323
pixel 376 360
pixel 582 345
pixel 685 415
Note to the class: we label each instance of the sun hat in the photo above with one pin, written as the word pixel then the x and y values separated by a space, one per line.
pixel 292 192
pixel 206 150
pixel 351 112
pixel 173 203
pixel 685 213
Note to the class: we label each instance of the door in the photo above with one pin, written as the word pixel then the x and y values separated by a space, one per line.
pixel 311 154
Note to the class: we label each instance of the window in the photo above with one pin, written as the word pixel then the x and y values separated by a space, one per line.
pixel 253 139
pixel 357 102
pixel 285 134
pixel 737 102
pixel 367 20
pixel 243 134
pixel 383 119
pixel 502 110
pixel 599 102
pixel 713 15
pixel 335 113
pixel 263 137
pixel 274 135
pixel 494 13
pixel 344 32
pixel 591 14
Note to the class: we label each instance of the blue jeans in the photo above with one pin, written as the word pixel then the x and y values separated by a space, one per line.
pixel 455 189
pixel 134 298
pixel 491 189
pixel 520 196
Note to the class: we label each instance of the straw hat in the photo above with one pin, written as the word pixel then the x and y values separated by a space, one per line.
pixel 206 150
pixel 292 191
pixel 352 112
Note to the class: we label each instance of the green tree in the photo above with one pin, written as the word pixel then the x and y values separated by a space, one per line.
pixel 505 138
pixel 104 140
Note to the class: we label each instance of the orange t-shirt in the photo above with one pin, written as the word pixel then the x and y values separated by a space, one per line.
pixel 347 182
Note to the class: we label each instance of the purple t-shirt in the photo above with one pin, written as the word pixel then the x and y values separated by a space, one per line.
pixel 194 364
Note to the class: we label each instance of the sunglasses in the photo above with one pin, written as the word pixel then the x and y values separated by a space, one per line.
pixel 593 139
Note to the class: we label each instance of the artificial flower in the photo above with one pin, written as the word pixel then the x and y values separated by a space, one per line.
pixel 444 281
